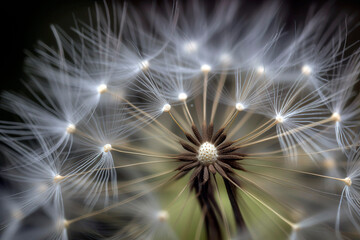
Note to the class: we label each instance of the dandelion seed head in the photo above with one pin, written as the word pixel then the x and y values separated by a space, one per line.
pixel 102 88
pixel 162 215
pixel 240 107
pixel 182 96
pixel 107 148
pixel 306 70
pixel 166 108
pixel 205 68
pixel 207 153
pixel 70 128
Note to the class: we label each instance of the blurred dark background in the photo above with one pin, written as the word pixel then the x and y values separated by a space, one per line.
pixel 24 23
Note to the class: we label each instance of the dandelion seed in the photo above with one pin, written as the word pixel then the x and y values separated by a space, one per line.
pixel 279 118
pixel 336 117
pixel 71 128
pixel 144 65
pixel 260 70
pixel 182 96
pixel 102 88
pixel 205 68
pixel 240 107
pixel 166 108
pixel 306 70
pixel 191 47
pixel 163 216
pixel 107 148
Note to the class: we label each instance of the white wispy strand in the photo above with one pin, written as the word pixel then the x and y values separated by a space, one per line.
pixel 351 192
pixel 293 107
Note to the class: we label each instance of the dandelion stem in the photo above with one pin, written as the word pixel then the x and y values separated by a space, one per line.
pixel 177 123
pixel 217 96
pixel 177 197
pixel 143 154
pixel 291 224
pixel 298 171
pixel 206 76
pixel 137 149
pixel 257 129
pixel 292 131
pixel 138 180
pixel 201 224
pixel 231 121
pixel 222 210
pixel 240 123
pixel 188 112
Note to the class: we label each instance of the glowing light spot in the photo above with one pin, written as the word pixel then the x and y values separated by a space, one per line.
pixel 182 96
pixel 58 178
pixel 191 47
pixel 66 223
pixel 280 119
pixel 107 147
pixel 336 117
pixel 166 108
pixel 70 128
pixel 348 181
pixel 17 214
pixel 205 68
pixel 306 70
pixel 144 65
pixel 295 227
pixel 43 187
pixel 102 88
pixel 207 153
pixel 162 216
pixel 239 106
pixel 260 69
pixel 329 163
pixel 225 58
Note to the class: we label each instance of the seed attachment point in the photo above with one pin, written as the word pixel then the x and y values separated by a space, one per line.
pixel 279 119
pixel 260 69
pixel 336 117
pixel 191 47
pixel 162 216
pixel 240 107
pixel 102 88
pixel 182 96
pixel 144 65
pixel 71 128
pixel 306 70
pixel 107 148
pixel 348 181
pixel 166 108
pixel 58 178
pixel 205 68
